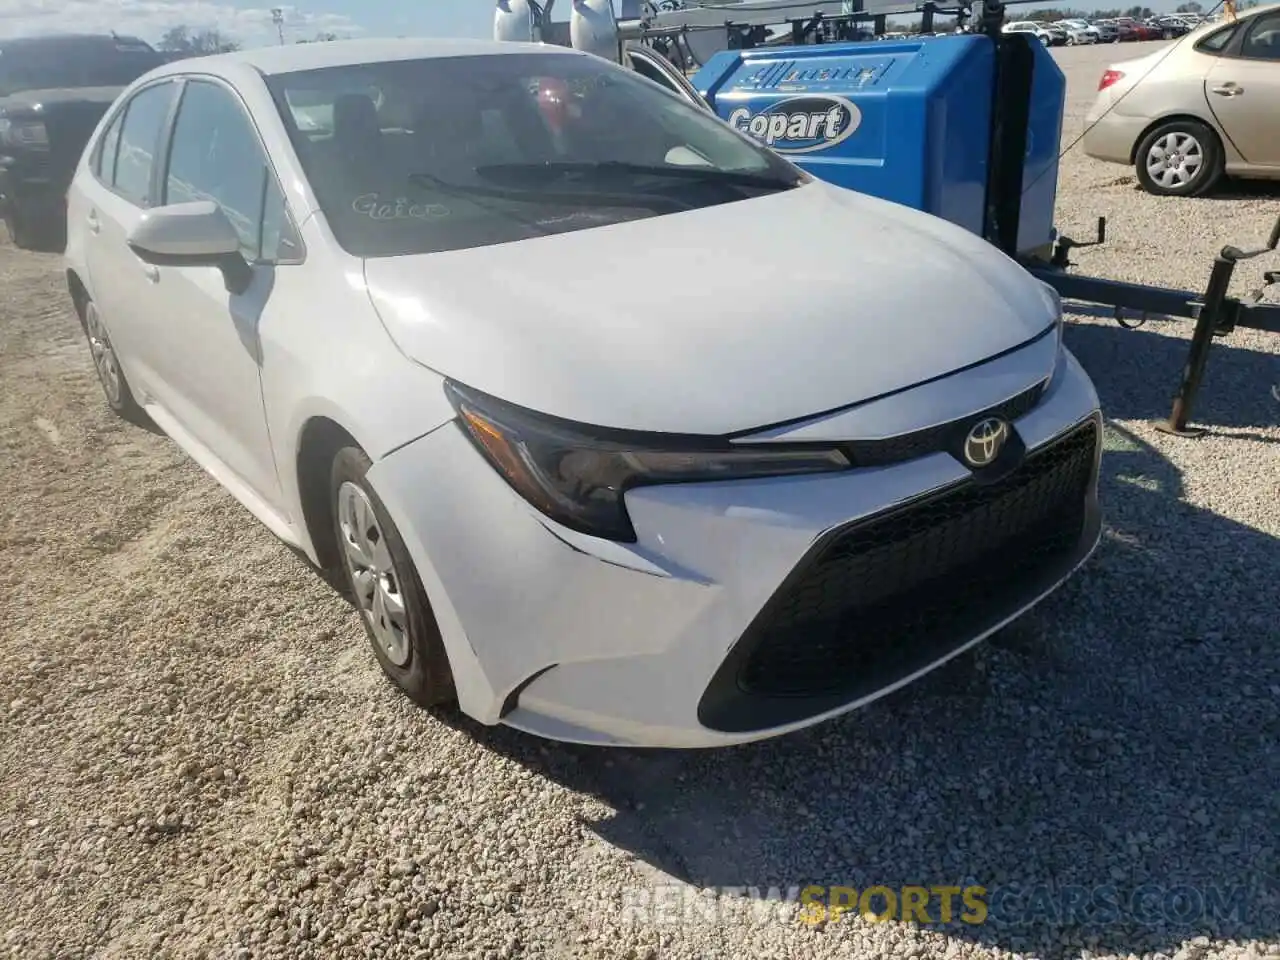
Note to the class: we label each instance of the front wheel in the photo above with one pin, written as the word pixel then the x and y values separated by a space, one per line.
pixel 1182 158
pixel 385 587
pixel 31 227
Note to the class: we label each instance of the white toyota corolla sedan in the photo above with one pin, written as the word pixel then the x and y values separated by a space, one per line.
pixel 620 428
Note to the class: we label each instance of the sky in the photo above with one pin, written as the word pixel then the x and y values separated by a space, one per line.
pixel 250 23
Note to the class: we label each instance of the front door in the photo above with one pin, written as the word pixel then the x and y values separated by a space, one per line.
pixel 206 349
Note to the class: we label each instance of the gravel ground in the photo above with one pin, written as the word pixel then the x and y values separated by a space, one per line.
pixel 200 759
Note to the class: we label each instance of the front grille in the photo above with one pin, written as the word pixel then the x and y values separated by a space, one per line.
pixel 891 593
pixel 946 436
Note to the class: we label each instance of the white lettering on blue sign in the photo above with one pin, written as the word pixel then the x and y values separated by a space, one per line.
pixel 800 124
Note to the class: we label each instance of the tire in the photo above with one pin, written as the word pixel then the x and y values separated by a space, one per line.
pixel 16 225
pixel 115 388
pixel 29 231
pixel 1187 141
pixel 383 584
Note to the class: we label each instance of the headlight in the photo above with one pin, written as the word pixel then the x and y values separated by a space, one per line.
pixel 23 133
pixel 577 475
pixel 1053 300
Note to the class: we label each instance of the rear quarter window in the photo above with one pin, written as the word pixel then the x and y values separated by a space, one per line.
pixel 1217 41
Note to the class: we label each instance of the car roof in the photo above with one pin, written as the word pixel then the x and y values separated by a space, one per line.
pixel 339 53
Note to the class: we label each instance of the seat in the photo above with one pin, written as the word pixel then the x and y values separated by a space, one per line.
pixel 356 129
pixel 351 160
pixel 447 135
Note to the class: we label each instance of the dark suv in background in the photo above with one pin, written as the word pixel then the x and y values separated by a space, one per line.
pixel 53 91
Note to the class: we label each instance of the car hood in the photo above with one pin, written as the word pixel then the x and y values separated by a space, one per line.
pixel 711 321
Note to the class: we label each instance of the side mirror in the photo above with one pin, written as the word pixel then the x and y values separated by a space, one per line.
pixel 192 235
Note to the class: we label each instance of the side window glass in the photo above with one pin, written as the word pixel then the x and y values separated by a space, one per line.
pixel 216 155
pixel 139 141
pixel 280 240
pixel 1217 41
pixel 104 162
pixel 1263 41
pixel 650 72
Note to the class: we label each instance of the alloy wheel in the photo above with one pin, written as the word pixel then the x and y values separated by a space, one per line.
pixel 374 579
pixel 104 355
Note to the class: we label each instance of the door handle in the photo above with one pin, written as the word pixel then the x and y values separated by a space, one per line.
pixel 1228 90
pixel 92 221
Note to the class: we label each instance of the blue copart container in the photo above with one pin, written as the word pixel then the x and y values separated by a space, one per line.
pixel 908 121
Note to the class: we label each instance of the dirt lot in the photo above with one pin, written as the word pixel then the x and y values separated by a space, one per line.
pixel 199 757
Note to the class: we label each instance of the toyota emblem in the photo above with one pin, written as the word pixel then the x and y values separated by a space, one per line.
pixel 985 441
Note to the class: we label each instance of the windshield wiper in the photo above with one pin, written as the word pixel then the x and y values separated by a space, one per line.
pixel 536 195
pixel 559 169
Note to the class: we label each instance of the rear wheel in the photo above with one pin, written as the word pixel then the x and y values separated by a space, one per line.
pixel 385 587
pixel 1181 158
pixel 107 365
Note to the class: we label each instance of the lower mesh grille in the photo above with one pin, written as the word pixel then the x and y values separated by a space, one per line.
pixel 884 593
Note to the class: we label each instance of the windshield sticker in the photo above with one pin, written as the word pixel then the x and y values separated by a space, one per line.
pixel 374 207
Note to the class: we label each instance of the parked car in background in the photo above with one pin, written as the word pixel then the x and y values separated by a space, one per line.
pixel 1128 30
pixel 1144 30
pixel 1057 35
pixel 1107 30
pixel 1078 32
pixel 1171 27
pixel 1186 116
pixel 1037 30
pixel 53 91
pixel 395 335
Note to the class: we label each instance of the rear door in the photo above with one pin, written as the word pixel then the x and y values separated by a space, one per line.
pixel 1243 90
pixel 114 199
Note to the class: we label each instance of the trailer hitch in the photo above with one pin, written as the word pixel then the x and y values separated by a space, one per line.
pixel 1215 313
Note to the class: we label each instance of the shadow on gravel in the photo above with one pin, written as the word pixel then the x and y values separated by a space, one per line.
pixel 1137 373
pixel 1232 189
pixel 1106 768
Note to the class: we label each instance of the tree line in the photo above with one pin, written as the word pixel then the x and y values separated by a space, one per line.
pixel 183 41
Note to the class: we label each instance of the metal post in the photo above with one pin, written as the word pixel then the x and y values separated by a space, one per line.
pixel 1206 324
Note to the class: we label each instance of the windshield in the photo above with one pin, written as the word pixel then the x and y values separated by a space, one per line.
pixel 420 156
pixel 70 64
